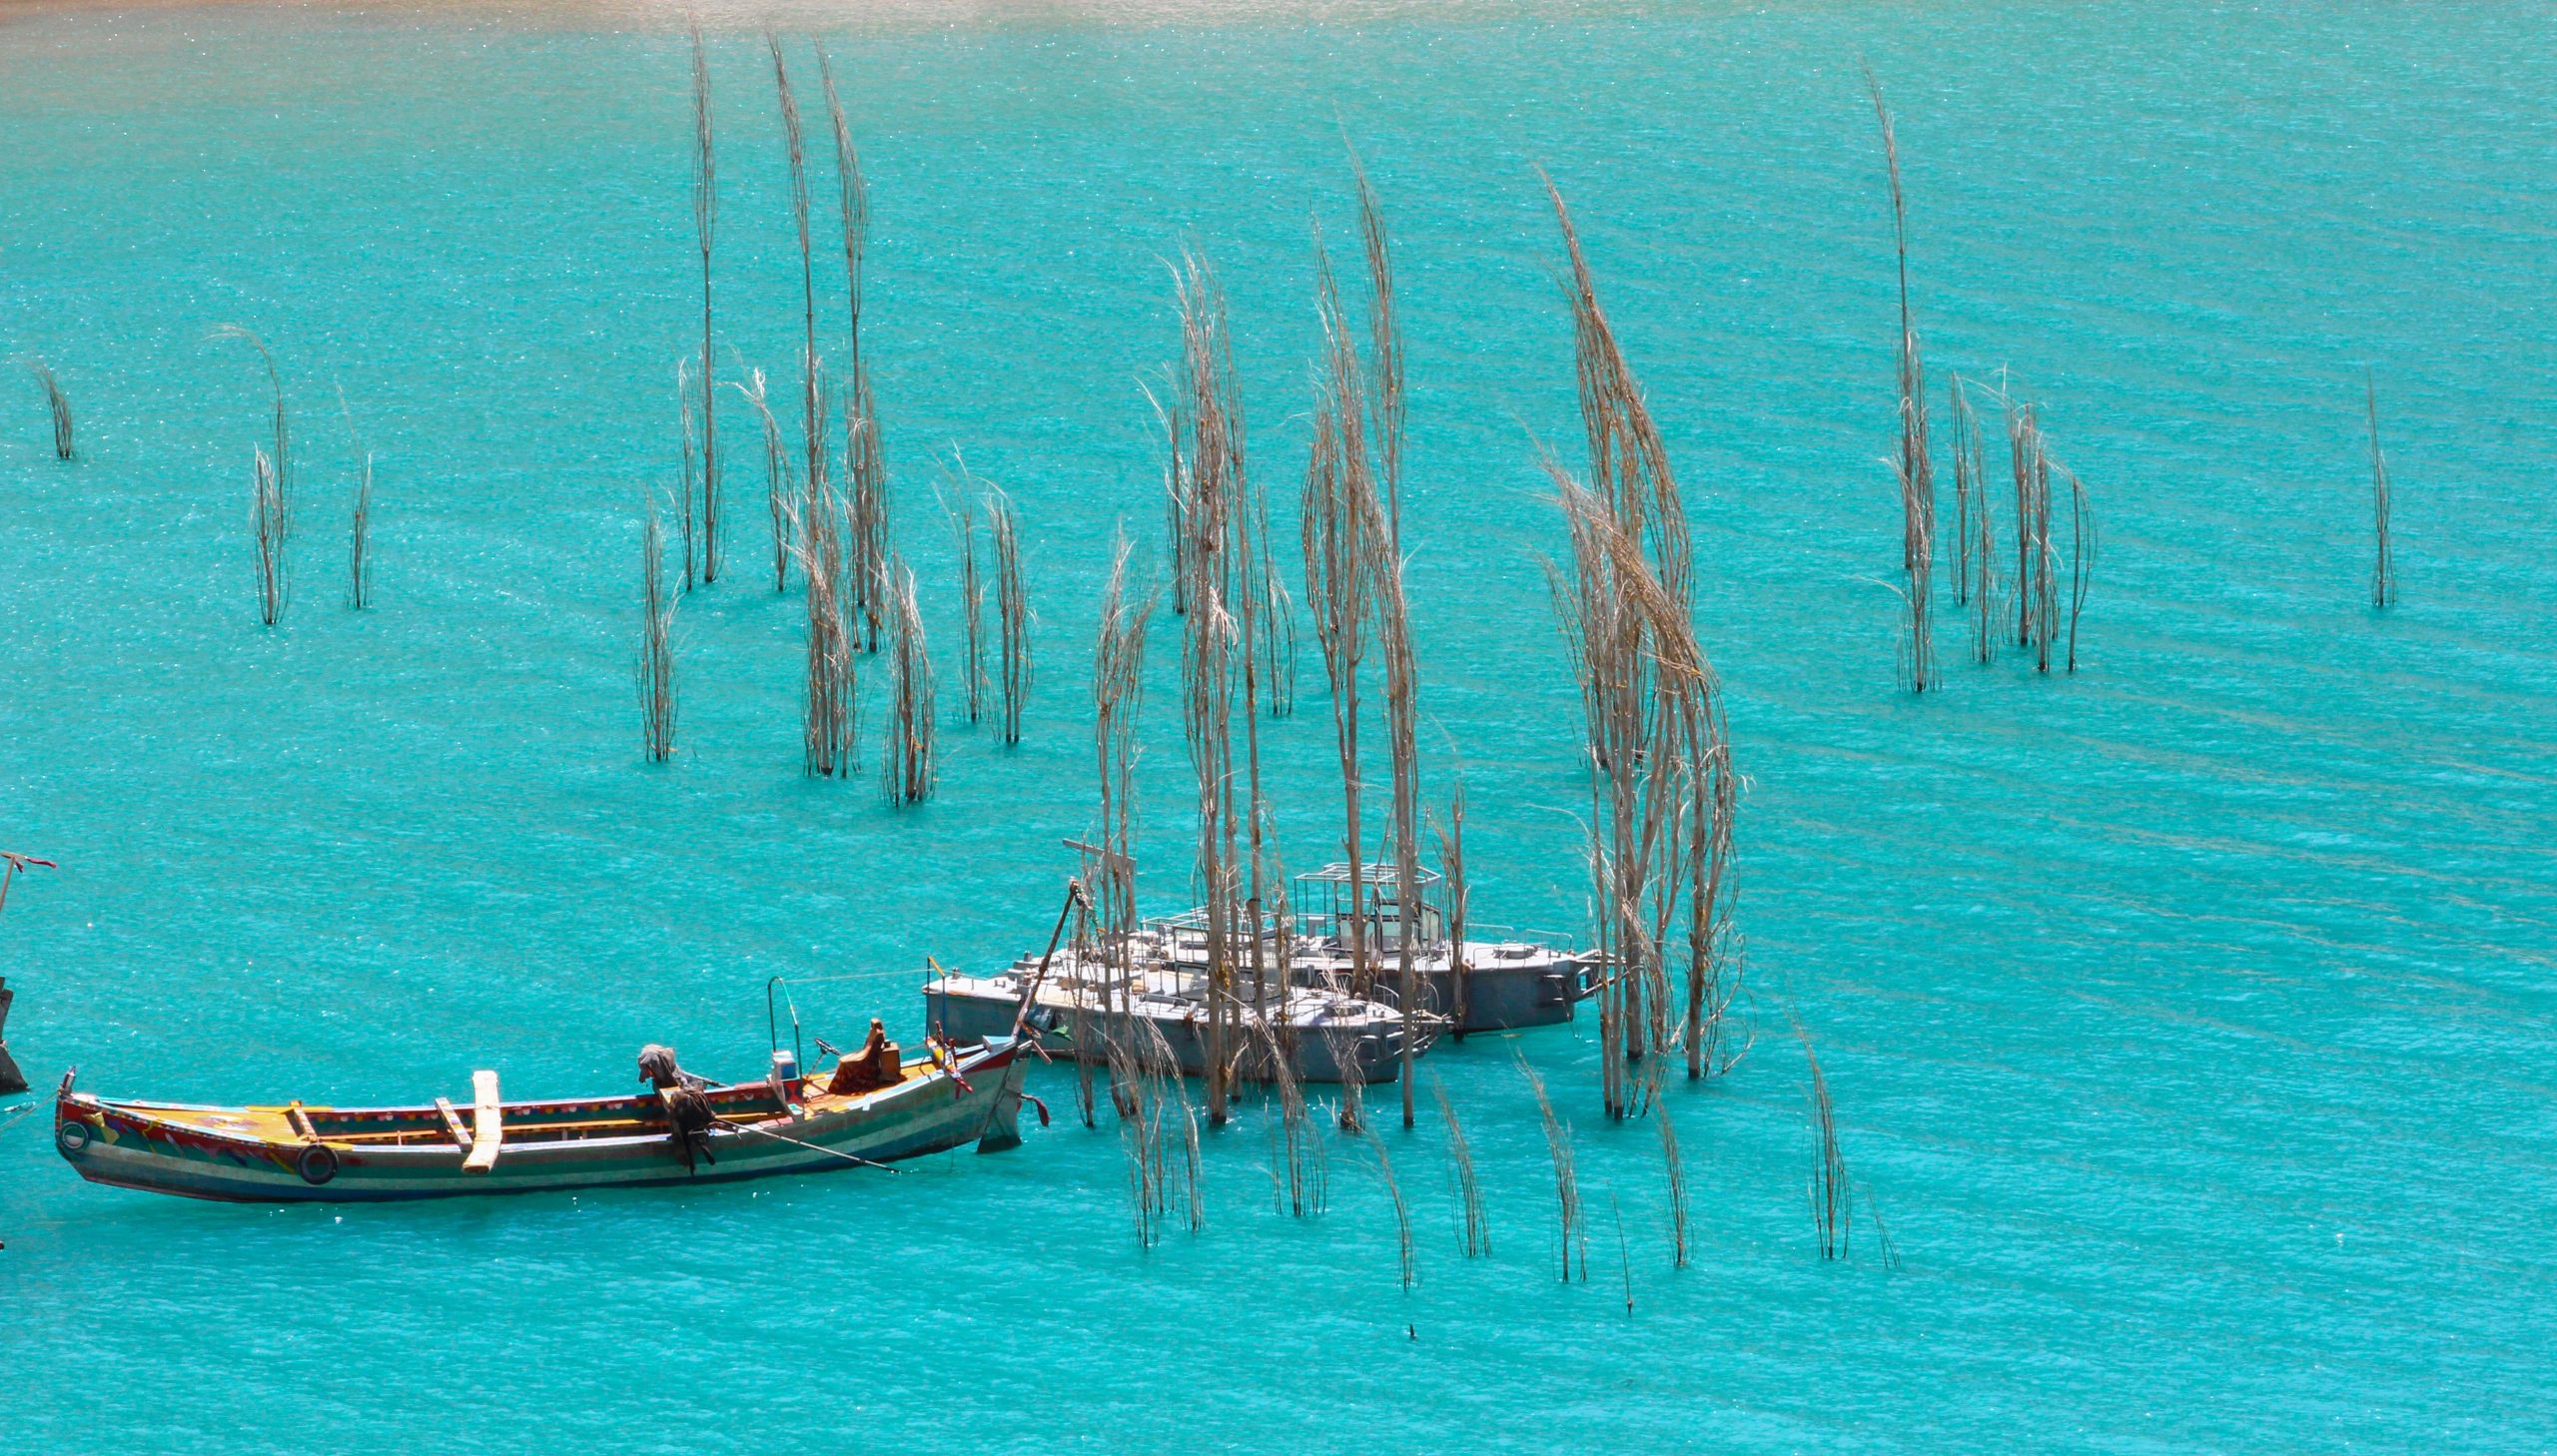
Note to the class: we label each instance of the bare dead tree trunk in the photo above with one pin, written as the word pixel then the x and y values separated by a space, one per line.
pixel 811 411
pixel 1340 573
pixel 828 725
pixel 1662 787
pixel 864 464
pixel 1204 426
pixel 1118 691
pixel 705 220
pixel 1915 468
pixel 972 599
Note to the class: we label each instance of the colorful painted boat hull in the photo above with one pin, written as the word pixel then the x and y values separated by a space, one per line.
pixel 188 1151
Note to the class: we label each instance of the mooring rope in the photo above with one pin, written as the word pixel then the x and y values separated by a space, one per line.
pixel 12 1114
pixel 811 1146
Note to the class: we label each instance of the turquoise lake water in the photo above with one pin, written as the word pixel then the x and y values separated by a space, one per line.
pixel 2188 1018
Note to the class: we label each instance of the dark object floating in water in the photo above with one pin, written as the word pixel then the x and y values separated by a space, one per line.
pixel 11 1079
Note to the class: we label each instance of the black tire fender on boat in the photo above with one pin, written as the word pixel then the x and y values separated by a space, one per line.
pixel 317 1165
pixel 70 1137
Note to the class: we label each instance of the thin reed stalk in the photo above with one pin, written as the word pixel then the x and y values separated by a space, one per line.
pixel 1832 1192
pixel 360 520
pixel 811 406
pixel 1569 1238
pixel 1834 1196
pixel 1012 612
pixel 1161 1139
pixel 1385 358
pixel 828 725
pixel 1966 446
pixel 1204 425
pixel 1406 1261
pixel 1976 568
pixel 1351 1111
pixel 1624 1252
pixel 1141 1138
pixel 2383 568
pixel 2081 555
pixel 360 539
pixel 59 405
pixel 1402 722
pixel 1081 1024
pixel 778 483
pixel 691 472
pixel 1175 499
pixel 1915 467
pixel 972 601
pixel 907 769
pixel 2037 582
pixel 1985 632
pixel 1475 1229
pixel 1383 517
pixel 868 467
pixel 266 519
pixel 852 199
pixel 1185 1171
pixel 1298 1150
pixel 1674 1167
pixel 1274 615
pixel 282 457
pixel 705 220
pixel 1452 868
pixel 271 507
pixel 1118 692
pixel 1341 571
pixel 656 663
pixel 1257 599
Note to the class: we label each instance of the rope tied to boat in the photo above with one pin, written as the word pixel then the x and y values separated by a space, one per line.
pixel 811 1146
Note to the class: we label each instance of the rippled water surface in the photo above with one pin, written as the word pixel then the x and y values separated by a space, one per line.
pixel 2188 1017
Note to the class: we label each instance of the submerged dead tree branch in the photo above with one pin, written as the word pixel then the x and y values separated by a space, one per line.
pixel 1663 790
pixel 1913 467
pixel 58 404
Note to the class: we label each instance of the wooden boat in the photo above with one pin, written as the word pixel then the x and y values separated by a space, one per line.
pixel 1492 985
pixel 1330 1035
pixel 1481 986
pixel 783 1124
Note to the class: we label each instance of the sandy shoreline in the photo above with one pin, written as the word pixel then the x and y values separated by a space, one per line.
pixel 748 15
